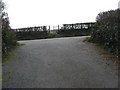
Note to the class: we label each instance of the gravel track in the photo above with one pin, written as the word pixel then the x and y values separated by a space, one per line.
pixel 59 63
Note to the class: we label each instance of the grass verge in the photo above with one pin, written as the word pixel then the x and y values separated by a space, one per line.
pixel 89 39
pixel 6 56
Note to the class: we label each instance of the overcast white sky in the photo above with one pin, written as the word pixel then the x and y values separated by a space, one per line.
pixel 28 13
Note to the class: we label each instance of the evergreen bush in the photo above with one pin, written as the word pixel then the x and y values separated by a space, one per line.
pixel 107 30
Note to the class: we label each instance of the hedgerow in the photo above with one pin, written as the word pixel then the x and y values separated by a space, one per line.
pixel 8 36
pixel 107 30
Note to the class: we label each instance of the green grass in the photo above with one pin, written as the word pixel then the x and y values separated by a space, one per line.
pixel 88 39
pixel 19 44
pixel 53 35
pixel 6 56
